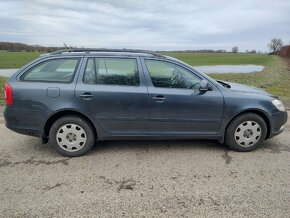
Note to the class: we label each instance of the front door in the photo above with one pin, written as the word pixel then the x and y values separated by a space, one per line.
pixel 177 106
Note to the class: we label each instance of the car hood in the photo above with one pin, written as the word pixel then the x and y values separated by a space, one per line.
pixel 236 87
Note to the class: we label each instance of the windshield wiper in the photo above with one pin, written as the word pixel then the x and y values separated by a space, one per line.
pixel 226 85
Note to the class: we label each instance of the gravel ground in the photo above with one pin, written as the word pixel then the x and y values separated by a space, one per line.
pixel 144 179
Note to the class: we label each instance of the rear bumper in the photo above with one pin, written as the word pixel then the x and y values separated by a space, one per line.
pixel 23 121
pixel 30 132
pixel 278 122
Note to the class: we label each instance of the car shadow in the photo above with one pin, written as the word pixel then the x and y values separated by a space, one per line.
pixel 105 146
pixel 143 146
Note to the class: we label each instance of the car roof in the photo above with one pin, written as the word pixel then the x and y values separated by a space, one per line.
pixel 105 52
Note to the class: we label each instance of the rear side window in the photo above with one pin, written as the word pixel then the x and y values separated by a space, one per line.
pixel 55 70
pixel 112 71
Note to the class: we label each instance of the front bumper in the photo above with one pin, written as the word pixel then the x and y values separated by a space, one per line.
pixel 278 120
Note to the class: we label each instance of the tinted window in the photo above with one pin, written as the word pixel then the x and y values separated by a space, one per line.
pixel 167 75
pixel 112 71
pixel 56 70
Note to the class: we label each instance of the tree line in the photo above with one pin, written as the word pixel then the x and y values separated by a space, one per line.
pixel 275 46
pixel 15 46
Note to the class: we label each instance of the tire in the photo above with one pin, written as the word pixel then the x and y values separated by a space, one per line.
pixel 72 136
pixel 246 132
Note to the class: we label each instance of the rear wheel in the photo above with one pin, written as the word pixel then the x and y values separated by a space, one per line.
pixel 246 132
pixel 71 136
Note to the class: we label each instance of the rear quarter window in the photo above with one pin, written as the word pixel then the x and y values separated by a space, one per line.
pixel 54 70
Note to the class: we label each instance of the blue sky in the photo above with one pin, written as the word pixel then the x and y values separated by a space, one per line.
pixel 146 24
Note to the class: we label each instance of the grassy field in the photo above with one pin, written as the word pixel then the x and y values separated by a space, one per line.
pixel 16 59
pixel 2 82
pixel 199 59
pixel 275 78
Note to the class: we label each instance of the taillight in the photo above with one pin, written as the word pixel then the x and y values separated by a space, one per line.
pixel 8 94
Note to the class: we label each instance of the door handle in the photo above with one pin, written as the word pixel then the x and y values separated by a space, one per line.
pixel 159 98
pixel 87 95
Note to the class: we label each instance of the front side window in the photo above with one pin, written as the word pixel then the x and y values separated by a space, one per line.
pixel 55 70
pixel 112 71
pixel 167 75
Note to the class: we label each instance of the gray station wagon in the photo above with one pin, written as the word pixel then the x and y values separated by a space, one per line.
pixel 73 98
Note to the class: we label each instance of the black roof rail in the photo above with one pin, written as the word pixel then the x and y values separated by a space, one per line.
pixel 87 50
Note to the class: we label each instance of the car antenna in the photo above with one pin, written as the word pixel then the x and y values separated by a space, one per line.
pixel 65 46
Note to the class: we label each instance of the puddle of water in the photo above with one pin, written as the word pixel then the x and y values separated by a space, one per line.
pixel 7 72
pixel 229 68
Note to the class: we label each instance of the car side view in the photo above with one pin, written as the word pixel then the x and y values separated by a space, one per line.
pixel 74 98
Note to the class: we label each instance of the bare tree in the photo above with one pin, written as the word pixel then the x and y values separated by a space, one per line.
pixel 235 49
pixel 275 44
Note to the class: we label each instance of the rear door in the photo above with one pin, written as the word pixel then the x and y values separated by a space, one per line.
pixel 113 90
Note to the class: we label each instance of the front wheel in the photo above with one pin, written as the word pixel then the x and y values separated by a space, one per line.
pixel 246 132
pixel 71 136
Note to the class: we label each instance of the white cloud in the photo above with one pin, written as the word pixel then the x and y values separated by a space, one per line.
pixel 184 24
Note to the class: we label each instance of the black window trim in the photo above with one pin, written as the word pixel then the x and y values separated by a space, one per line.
pixel 110 57
pixel 46 60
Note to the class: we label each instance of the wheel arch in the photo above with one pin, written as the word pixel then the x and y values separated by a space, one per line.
pixel 62 113
pixel 260 113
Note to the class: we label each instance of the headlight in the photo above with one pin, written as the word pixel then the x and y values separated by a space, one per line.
pixel 278 104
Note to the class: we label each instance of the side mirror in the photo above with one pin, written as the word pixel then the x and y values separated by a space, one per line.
pixel 204 86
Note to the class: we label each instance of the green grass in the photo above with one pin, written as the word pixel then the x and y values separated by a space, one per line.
pixel 2 82
pixel 16 59
pixel 275 78
pixel 198 59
